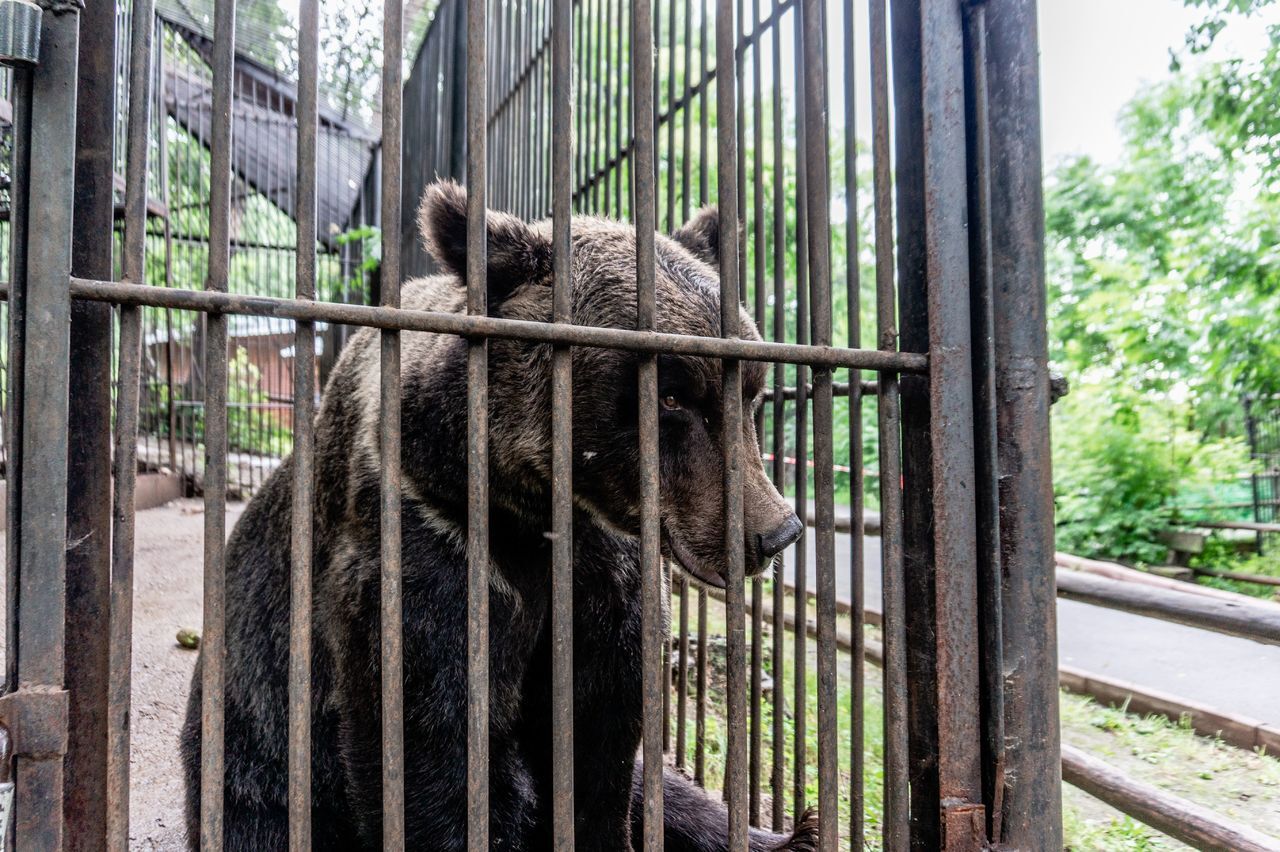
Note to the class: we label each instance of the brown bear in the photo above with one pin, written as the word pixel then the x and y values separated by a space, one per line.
pixel 346 725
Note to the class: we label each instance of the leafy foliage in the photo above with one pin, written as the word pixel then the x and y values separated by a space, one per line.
pixel 1120 459
pixel 1164 289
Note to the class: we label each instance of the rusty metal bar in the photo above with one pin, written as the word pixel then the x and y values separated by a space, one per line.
pixel 391 637
pixel 562 744
pixel 817 214
pixel 731 426
pixel 761 302
pixel 946 786
pixel 41 529
pixel 89 440
pixel 652 622
pixel 838 389
pixel 950 421
pixel 854 388
pixel 987 495
pixel 1032 807
pixel 477 441
pixel 896 794
pixel 799 777
pixel 21 87
pixel 401 319
pixel 777 779
pixel 700 674
pixel 213 636
pixel 125 465
pixel 304 355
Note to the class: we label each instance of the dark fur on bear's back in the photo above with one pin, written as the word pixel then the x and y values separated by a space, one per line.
pixel 346 685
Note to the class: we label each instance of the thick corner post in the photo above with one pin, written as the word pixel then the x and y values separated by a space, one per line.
pixel 1032 792
pixel 34 712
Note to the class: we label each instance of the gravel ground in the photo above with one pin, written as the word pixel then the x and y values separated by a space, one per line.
pixel 167 598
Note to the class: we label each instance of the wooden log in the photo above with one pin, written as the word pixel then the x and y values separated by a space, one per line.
pixel 1132 575
pixel 1257 621
pixel 1175 816
pixel 1259 579
pixel 1251 526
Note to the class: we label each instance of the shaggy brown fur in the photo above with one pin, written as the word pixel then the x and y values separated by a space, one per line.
pixel 346 725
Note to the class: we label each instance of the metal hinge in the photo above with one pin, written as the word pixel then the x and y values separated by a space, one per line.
pixel 36 721
pixel 33 724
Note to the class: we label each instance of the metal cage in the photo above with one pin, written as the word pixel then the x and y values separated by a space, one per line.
pixel 546 108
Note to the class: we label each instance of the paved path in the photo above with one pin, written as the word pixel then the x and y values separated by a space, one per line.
pixel 1230 674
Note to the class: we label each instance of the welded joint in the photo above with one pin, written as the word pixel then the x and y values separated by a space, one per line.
pixel 964 826
pixel 36 720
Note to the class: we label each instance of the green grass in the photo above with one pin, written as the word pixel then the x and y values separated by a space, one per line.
pixel 1239 784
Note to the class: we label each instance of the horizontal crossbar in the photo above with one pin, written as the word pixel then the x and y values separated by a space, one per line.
pixel 403 319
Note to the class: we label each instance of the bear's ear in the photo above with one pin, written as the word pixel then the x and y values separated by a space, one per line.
pixel 701 236
pixel 516 253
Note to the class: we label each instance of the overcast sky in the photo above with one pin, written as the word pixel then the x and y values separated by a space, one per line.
pixel 1096 54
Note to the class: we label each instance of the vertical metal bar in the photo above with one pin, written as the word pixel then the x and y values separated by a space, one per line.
pixel 477 443
pixel 946 787
pixel 595 119
pixel 623 88
pixel 562 747
pixel 739 218
pixel 731 425
pixel 682 677
pixel 951 418
pixel 704 169
pixel 304 357
pixel 778 775
pixel 857 585
pixel 801 724
pixel 819 230
pixel 686 147
pixel 126 437
pixel 13 422
pixel 579 90
pixel 652 622
pixel 1032 804
pixel 671 113
pixel 213 638
pixel 89 439
pixel 987 496
pixel 390 588
pixel 893 623
pixel 700 682
pixel 605 105
pixel 42 528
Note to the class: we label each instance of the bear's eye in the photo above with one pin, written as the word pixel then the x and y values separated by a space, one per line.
pixel 669 403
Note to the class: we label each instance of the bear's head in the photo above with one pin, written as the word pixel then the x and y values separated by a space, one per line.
pixel 605 405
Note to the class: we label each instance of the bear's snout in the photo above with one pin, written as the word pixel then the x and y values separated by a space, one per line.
pixel 772 543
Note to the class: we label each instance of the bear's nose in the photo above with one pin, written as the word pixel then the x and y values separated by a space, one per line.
pixel 773 543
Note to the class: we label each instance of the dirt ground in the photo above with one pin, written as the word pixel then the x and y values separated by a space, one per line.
pixel 167 598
